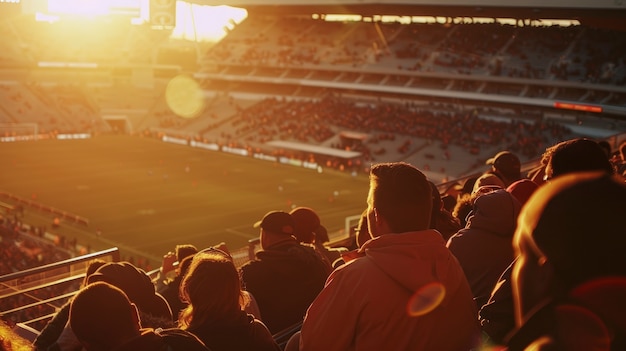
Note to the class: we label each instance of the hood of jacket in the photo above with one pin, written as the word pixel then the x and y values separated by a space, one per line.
pixel 495 212
pixel 413 259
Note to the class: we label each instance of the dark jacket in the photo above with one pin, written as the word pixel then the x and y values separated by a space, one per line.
pixel 284 280
pixel 53 329
pixel 170 291
pixel 244 333
pixel 163 340
pixel 484 247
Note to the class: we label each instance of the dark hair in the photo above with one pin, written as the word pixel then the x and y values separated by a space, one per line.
pixel 185 250
pixel 101 314
pixel 92 267
pixel 463 207
pixel 402 195
pixel 577 155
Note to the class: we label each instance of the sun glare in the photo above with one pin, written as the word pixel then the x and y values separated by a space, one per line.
pixel 79 7
pixel 205 23
pixel 193 22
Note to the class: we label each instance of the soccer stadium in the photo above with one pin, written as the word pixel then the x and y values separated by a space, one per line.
pixel 129 127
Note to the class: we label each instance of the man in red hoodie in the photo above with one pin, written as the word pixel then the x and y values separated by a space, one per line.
pixel 369 303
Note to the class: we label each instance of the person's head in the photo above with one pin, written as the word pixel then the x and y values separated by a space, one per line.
pixel 276 227
pixel 212 288
pixel 575 155
pixel 307 224
pixel 92 267
pixel 570 231
pixel 136 284
pixel 507 165
pixel 321 235
pixel 522 189
pixel 399 199
pixel 468 186
pixel 185 250
pixel 102 317
pixel 499 207
pixel 183 266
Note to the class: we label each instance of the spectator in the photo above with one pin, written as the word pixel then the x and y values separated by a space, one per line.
pixel 170 260
pixel 153 308
pixel 168 284
pixel 505 169
pixel 463 208
pixel 215 313
pixel 570 278
pixel 575 155
pixel 171 292
pixel 571 156
pixel 440 219
pixel 57 332
pixel 484 247
pixel 307 223
pixel 306 231
pixel 522 189
pixel 104 318
pixel 364 303
pixel 285 276
pixel 332 254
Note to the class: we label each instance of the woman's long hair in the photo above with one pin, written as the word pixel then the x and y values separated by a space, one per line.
pixel 212 287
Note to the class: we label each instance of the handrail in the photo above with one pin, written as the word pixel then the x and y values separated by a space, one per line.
pixel 114 252
pixel 63 272
pixel 38 287
pixel 42 302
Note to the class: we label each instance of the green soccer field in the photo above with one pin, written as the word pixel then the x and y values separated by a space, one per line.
pixel 146 196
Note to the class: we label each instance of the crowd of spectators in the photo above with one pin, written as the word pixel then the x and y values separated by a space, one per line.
pixel 278 300
pixel 523 51
pixel 321 122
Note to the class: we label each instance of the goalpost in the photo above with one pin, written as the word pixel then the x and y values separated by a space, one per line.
pixel 18 131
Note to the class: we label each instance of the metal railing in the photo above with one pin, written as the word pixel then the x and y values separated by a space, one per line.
pixel 33 296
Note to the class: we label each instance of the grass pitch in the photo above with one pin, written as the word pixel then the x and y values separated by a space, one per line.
pixel 146 196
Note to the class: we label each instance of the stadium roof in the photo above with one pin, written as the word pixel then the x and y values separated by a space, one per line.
pixel 563 4
pixel 596 13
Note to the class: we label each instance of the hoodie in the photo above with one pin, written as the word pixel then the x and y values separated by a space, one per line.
pixel 363 305
pixel 484 247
